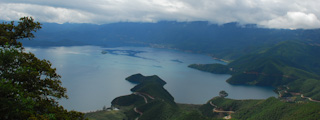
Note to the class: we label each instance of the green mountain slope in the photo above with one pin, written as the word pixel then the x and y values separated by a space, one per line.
pixel 149 98
pixel 269 109
pixel 295 54
pixel 279 65
pixel 291 63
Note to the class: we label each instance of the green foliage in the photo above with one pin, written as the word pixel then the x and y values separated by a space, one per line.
pixel 308 87
pixel 10 33
pixel 29 86
pixel 275 109
pixel 13 103
pixel 270 108
pixel 107 115
pixel 289 63
pixel 35 76
pixel 194 115
pixel 285 56
pixel 157 110
pixel 206 110
pixel 223 93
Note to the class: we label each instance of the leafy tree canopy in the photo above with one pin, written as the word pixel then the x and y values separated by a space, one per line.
pixel 10 33
pixel 29 87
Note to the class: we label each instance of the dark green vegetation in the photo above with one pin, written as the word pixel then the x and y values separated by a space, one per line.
pixel 29 87
pixel 162 107
pixel 269 109
pixel 228 41
pixel 138 78
pixel 223 94
pixel 292 63
pixel 108 114
pixel 149 97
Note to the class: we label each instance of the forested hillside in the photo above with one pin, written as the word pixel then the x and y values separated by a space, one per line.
pixel 269 109
pixel 292 63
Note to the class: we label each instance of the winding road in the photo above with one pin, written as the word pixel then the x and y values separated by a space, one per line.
pixel 139 94
pixel 137 111
pixel 220 111
pixel 145 100
pixel 310 99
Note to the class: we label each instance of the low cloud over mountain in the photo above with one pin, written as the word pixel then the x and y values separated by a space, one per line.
pixel 289 14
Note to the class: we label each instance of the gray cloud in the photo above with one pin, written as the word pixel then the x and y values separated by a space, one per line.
pixel 291 14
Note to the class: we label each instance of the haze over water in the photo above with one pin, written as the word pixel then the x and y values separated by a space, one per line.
pixel 94 79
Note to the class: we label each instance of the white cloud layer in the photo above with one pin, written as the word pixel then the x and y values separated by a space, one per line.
pixel 290 14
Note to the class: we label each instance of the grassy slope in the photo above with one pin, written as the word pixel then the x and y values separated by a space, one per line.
pixel 269 109
pixel 106 115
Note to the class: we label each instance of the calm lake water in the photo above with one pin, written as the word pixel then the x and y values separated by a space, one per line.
pixel 94 79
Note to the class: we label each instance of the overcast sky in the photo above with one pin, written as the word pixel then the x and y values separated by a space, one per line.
pixel 289 14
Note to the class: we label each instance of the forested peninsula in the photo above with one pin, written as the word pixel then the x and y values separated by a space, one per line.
pixel 292 67
pixel 150 101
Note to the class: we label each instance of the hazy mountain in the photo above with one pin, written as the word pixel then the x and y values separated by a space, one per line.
pixel 227 41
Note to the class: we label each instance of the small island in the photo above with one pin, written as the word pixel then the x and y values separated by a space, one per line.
pixel 177 61
pixel 104 52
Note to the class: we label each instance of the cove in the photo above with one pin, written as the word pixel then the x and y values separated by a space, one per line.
pixel 94 79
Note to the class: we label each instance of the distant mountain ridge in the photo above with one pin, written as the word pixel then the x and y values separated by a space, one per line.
pixel 228 41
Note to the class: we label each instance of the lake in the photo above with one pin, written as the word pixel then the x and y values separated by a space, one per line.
pixel 94 79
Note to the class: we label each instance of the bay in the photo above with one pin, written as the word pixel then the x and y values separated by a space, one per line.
pixel 94 79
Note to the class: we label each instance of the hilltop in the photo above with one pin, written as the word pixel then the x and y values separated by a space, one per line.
pixel 295 64
pixel 149 99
